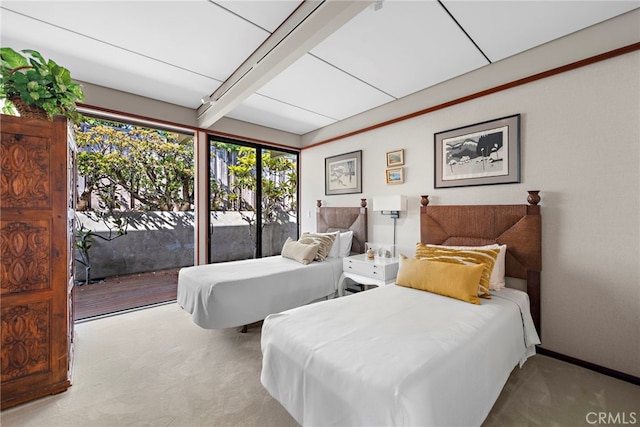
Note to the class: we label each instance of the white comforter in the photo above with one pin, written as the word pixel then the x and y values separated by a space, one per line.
pixel 237 293
pixel 395 356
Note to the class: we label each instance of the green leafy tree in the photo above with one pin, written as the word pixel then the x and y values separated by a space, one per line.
pixel 279 188
pixel 153 168
pixel 279 184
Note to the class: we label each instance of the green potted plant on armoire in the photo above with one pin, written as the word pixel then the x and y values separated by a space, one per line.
pixel 37 87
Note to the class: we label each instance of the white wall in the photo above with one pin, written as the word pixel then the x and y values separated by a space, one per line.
pixel 580 146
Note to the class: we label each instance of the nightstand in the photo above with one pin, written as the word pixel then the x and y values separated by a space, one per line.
pixel 364 271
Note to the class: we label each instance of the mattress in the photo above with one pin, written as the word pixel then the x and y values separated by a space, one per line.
pixel 395 356
pixel 237 293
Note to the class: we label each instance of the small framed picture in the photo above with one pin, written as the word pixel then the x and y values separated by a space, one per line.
pixel 395 176
pixel 395 158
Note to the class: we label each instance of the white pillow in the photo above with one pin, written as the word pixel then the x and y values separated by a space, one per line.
pixel 335 248
pixel 346 239
pixel 341 243
pixel 497 274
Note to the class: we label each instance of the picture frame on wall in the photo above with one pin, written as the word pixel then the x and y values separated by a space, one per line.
pixel 395 175
pixel 395 158
pixel 343 173
pixel 480 154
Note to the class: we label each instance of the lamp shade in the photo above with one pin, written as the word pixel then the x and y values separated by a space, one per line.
pixel 394 203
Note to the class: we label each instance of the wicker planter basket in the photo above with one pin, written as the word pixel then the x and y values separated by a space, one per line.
pixel 28 111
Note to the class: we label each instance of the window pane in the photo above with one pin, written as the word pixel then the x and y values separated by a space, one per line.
pixel 232 187
pixel 135 212
pixel 279 200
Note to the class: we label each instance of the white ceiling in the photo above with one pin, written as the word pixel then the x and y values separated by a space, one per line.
pixel 302 68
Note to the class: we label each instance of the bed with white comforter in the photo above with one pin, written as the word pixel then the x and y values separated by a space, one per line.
pixel 395 356
pixel 238 293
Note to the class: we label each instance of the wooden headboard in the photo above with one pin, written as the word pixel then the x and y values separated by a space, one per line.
pixel 517 226
pixel 344 219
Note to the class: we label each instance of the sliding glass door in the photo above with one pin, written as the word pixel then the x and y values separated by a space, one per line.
pixel 253 199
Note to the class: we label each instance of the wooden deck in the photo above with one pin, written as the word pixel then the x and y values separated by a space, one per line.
pixel 120 293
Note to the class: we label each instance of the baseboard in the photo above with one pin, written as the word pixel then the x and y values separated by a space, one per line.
pixel 588 365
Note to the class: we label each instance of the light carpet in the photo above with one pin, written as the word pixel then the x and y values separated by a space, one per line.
pixel 155 367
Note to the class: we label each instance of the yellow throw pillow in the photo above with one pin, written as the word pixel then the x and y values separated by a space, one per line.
pixel 298 251
pixel 497 274
pixel 324 242
pixel 457 281
pixel 487 257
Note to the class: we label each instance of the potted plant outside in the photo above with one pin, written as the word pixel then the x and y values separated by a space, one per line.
pixel 31 84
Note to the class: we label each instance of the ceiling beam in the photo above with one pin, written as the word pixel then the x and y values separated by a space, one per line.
pixel 307 26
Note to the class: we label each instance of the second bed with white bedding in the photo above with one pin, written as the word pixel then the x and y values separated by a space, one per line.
pixel 395 356
pixel 238 293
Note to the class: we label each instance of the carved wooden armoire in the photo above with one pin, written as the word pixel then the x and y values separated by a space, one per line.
pixel 37 204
